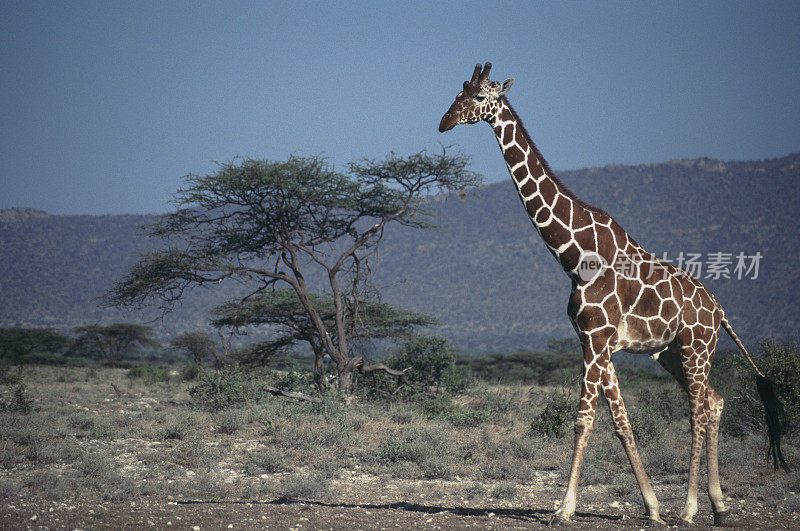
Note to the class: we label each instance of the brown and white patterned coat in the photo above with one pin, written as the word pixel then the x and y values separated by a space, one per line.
pixel 630 300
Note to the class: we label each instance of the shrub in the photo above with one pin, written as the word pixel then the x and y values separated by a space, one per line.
pixel 655 410
pixel 9 488
pixel 781 362
pixel 191 371
pixel 51 484
pixel 266 461
pixel 176 428
pixel 734 378
pixel 504 491
pixel 557 413
pixel 304 486
pixel 194 454
pixel 475 490
pixel 149 373
pixel 429 360
pixel 229 421
pixel 20 401
pixel 7 373
pixel 464 417
pixel 416 445
pixel 225 387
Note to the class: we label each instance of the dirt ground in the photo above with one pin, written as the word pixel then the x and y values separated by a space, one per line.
pixel 92 455
pixel 377 503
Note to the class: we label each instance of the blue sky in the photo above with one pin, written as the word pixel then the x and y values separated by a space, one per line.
pixel 105 105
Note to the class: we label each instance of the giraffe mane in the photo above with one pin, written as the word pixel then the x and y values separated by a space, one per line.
pixel 566 191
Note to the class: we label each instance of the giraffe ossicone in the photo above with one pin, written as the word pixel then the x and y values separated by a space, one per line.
pixel 623 298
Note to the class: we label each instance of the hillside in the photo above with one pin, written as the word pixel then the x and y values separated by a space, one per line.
pixel 485 272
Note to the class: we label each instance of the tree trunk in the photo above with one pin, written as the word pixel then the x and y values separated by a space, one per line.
pixel 347 376
pixel 320 379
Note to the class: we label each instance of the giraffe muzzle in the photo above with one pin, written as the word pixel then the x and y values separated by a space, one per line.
pixel 447 123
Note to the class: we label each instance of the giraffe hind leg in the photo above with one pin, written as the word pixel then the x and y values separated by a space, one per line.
pixel 689 369
pixel 715 403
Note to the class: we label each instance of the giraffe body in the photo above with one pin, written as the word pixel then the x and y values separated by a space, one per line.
pixel 632 301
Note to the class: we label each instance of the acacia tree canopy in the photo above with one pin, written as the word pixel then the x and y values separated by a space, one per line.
pixel 282 308
pixel 113 341
pixel 18 343
pixel 263 223
pixel 198 345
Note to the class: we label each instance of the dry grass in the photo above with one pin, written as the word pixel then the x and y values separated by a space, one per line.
pixel 82 439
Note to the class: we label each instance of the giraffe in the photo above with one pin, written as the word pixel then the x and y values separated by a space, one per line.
pixel 622 298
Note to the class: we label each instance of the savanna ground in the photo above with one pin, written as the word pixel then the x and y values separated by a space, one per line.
pixel 101 448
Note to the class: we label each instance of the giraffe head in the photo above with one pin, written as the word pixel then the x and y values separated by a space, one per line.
pixel 480 100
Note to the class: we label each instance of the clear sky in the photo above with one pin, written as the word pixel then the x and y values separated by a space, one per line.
pixel 105 105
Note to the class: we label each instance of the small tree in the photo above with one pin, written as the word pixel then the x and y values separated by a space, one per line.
pixel 267 223
pixel 428 359
pixel 18 344
pixel 198 345
pixel 283 310
pixel 110 343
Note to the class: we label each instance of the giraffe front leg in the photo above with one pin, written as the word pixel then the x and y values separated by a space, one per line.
pixel 583 429
pixel 623 429
pixel 584 423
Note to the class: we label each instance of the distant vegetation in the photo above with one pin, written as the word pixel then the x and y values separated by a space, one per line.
pixel 484 273
pixel 153 430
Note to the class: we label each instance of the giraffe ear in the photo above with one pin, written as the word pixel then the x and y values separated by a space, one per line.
pixel 506 86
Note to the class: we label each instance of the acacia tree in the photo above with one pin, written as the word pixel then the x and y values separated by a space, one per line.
pixel 198 345
pixel 17 344
pixel 268 223
pixel 113 341
pixel 283 310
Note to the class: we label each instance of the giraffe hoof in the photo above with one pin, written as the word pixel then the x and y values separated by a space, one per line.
pixel 720 517
pixel 559 517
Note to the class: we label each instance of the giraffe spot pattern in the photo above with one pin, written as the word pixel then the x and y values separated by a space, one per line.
pixel 648 306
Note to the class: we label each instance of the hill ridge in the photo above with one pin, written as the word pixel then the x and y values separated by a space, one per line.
pixel 485 273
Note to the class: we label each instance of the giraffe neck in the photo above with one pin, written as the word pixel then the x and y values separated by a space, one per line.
pixel 556 213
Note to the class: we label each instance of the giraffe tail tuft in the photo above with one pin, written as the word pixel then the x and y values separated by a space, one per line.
pixel 772 406
pixel 772 411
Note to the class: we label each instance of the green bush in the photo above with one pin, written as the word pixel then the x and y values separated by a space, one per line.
pixel 266 461
pixel 149 373
pixel 504 491
pixel 229 421
pixel 8 373
pixel 734 378
pixel 560 361
pixel 414 445
pixel 304 486
pixel 228 386
pixel 190 371
pixel 781 363
pixel 553 421
pixel 20 401
pixel 428 359
pixel 654 410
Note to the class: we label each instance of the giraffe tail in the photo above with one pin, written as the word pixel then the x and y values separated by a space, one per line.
pixel 772 406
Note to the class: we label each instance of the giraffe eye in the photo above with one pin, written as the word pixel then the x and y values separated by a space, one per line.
pixel 480 97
